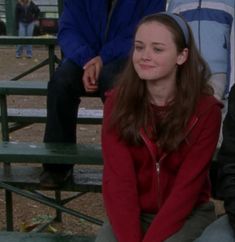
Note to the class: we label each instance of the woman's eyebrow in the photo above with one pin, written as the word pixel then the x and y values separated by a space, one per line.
pixel 139 41
pixel 158 43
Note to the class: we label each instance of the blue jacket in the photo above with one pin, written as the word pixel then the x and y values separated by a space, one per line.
pixel 212 22
pixel 83 23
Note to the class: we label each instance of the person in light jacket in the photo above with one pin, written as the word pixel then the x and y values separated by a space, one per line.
pixel 212 23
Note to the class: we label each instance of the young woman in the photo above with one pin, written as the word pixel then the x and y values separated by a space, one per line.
pixel 160 130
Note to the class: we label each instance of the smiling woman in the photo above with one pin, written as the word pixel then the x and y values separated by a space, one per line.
pixel 158 118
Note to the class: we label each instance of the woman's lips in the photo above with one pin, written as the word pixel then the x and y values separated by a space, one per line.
pixel 145 67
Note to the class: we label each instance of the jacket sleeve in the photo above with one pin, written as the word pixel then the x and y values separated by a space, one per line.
pixel 119 185
pixel 191 177
pixel 226 158
pixel 36 11
pixel 122 43
pixel 71 37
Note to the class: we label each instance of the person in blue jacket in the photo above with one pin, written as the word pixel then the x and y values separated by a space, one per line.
pixel 95 38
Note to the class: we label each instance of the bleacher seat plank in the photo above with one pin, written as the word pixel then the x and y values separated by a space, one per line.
pixel 29 115
pixel 23 87
pixel 42 237
pixel 27 177
pixel 17 152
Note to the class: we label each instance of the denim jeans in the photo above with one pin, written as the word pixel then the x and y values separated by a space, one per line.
pixel 218 231
pixel 64 92
pixel 25 29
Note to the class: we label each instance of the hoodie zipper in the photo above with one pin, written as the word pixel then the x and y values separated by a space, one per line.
pixel 152 149
pixel 158 169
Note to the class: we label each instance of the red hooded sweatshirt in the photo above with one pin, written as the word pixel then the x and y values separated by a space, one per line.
pixel 136 180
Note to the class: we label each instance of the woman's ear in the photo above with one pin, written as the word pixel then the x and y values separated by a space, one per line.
pixel 182 57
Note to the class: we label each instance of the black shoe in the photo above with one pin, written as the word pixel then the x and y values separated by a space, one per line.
pixel 51 180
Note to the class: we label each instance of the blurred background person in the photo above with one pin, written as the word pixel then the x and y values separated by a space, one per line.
pixel 26 14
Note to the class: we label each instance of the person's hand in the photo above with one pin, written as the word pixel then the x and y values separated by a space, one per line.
pixel 97 63
pixel 89 79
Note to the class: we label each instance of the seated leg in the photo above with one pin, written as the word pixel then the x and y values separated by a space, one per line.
pixel 64 91
pixel 218 231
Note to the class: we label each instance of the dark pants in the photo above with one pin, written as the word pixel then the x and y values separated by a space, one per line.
pixel 64 92
pixel 193 227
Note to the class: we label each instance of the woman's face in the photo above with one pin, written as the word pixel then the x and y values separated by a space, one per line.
pixel 155 55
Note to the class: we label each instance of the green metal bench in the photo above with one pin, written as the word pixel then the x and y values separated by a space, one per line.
pixel 25 180
pixel 29 115
pixel 50 42
pixel 18 152
pixel 22 117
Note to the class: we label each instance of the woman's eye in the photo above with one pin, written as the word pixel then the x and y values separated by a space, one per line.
pixel 157 49
pixel 138 48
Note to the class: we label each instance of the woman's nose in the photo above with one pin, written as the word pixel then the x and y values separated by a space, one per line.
pixel 146 55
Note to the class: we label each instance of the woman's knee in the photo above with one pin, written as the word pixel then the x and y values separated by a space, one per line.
pixel 67 76
pixel 218 231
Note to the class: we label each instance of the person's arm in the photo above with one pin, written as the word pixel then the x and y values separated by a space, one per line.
pixel 76 36
pixel 121 44
pixel 226 159
pixel 191 178
pixel 119 184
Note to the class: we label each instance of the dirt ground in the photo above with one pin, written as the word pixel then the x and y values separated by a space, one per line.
pixel 26 211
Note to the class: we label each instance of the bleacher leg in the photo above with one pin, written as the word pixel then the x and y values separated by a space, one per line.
pixel 58 217
pixel 9 210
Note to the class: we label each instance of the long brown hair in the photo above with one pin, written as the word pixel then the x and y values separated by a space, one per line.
pixel 132 110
